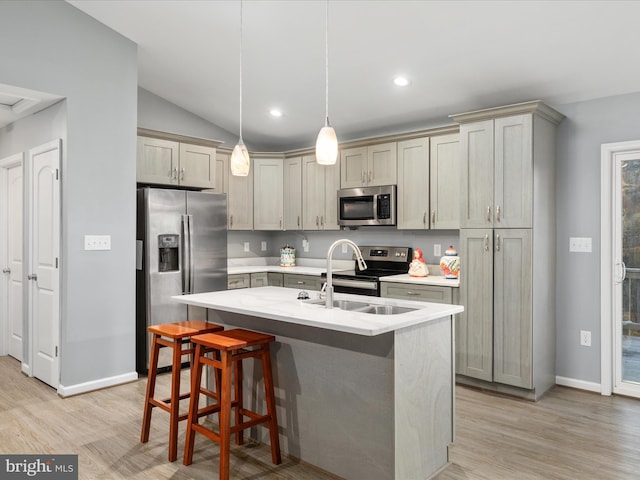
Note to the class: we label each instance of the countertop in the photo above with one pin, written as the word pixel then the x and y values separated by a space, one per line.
pixel 278 303
pixel 436 280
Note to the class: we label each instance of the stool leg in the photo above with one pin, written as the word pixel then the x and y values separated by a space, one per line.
pixel 151 388
pixel 175 400
pixel 225 414
pixel 271 405
pixel 196 377
pixel 239 400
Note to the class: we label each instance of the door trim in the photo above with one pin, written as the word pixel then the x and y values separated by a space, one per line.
pixel 608 306
pixel 5 163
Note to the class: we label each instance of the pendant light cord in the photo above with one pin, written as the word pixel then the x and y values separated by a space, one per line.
pixel 326 62
pixel 241 141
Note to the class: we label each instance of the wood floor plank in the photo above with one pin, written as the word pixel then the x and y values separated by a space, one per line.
pixel 568 434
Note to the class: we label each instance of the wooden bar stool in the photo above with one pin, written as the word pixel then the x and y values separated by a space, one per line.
pixel 176 336
pixel 230 348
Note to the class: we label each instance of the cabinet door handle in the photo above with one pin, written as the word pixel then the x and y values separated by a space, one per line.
pixel 280 221
pixel 362 179
pixel 322 220
pixel 498 213
pixel 298 220
pixel 370 175
pixel 489 213
pixel 497 242
pixel 300 282
pixel 424 218
pixel 182 174
pixel 231 220
pixel 433 217
pixel 413 293
pixel 486 243
pixel 174 174
pixel 317 221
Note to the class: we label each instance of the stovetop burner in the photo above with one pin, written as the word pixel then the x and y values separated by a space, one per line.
pixel 381 262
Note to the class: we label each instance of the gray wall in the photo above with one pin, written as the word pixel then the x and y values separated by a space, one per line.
pixel 580 135
pixel 52 47
pixel 156 113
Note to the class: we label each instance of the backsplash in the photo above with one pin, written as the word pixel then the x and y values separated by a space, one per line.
pixel 319 242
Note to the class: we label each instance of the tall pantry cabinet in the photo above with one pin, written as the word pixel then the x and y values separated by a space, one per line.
pixel 506 335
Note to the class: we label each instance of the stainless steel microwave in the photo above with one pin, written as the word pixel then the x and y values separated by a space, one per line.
pixel 367 206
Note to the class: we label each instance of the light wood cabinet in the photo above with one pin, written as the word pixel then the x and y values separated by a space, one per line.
pixel 506 335
pixel 240 202
pixel 303 282
pixel 319 195
pixel 413 184
pixel 241 280
pixel 424 293
pixel 222 172
pixel 167 162
pixel 260 279
pixel 268 194
pixel 369 166
pixel 293 193
pixel 497 172
pixel 444 182
pixel 275 279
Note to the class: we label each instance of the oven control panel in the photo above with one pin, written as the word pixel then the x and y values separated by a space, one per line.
pixel 387 254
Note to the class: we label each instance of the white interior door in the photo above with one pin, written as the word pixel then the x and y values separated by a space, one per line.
pixel 43 274
pixel 11 257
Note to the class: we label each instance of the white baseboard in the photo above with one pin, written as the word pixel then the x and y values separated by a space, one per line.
pixel 25 369
pixel 96 384
pixel 580 384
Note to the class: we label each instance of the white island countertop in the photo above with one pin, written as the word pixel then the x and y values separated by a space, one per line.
pixel 281 304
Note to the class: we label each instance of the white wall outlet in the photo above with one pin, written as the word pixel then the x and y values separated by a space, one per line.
pixel 437 250
pixel 344 248
pixel 580 244
pixel 246 247
pixel 305 245
pixel 585 338
pixel 97 242
pixel 263 246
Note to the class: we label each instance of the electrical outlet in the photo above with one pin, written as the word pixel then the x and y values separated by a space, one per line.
pixel 263 246
pixel 580 244
pixel 344 248
pixel 585 338
pixel 437 250
pixel 305 245
pixel 247 247
pixel 97 242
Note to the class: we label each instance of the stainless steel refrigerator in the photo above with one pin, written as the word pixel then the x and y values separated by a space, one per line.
pixel 181 248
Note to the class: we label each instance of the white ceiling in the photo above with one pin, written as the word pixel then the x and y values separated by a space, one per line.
pixel 459 55
pixel 16 103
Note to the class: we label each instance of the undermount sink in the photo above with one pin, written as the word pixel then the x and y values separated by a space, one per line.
pixel 364 307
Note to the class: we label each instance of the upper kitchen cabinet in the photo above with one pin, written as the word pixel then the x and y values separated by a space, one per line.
pixel 240 201
pixel 268 194
pixel 293 193
pixel 320 184
pixel 501 148
pixel 169 159
pixel 428 183
pixel 222 172
pixel 369 166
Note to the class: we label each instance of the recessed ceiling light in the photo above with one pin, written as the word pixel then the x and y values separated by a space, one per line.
pixel 401 81
pixel 275 112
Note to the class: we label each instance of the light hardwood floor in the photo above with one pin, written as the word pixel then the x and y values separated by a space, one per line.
pixel 568 434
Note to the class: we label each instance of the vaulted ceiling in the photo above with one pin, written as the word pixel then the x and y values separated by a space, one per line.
pixel 458 55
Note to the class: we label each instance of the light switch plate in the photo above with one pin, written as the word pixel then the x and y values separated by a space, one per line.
pixel 580 244
pixel 97 242
pixel 437 250
pixel 263 246
pixel 247 247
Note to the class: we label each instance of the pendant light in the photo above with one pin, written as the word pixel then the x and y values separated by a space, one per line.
pixel 240 162
pixel 327 142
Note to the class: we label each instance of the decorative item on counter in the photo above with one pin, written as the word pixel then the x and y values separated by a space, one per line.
pixel 418 266
pixel 287 256
pixel 450 263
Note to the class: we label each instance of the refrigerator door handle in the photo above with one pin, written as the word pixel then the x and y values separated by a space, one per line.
pixel 186 255
pixel 192 270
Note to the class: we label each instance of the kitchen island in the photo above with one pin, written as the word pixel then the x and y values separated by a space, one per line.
pixel 359 395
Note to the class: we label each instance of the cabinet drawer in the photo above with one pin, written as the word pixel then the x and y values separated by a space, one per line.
pixel 275 279
pixel 425 293
pixel 305 282
pixel 238 281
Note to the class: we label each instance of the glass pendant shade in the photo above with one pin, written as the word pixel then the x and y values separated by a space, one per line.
pixel 240 162
pixel 327 146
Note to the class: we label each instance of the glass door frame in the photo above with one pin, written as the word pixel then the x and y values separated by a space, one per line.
pixel 612 268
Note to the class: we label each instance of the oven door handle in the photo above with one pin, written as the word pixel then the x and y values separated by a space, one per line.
pixel 365 285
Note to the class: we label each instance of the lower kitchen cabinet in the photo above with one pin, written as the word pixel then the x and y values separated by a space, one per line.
pixel 425 293
pixel 505 335
pixel 303 282
pixel 241 280
pixel 260 279
pixel 276 279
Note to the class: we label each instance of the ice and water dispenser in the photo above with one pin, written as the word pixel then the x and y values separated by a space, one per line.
pixel 168 253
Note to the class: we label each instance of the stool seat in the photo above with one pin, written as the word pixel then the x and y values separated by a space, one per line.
pixel 176 336
pixel 229 349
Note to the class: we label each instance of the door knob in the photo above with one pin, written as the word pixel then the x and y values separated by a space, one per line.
pixel 6 270
pixel 33 276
